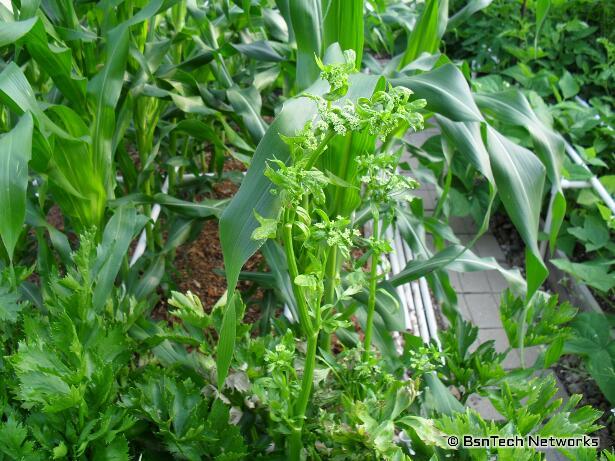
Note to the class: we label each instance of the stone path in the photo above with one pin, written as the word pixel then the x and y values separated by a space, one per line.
pixel 478 293
pixel 479 296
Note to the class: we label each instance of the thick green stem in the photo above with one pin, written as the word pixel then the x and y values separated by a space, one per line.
pixel 319 150
pixel 293 271
pixel 330 282
pixel 371 302
pixel 294 445
pixel 295 442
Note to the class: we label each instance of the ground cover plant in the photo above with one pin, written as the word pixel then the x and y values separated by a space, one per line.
pixel 125 126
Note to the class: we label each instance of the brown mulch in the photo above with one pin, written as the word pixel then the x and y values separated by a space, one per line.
pixel 200 269
pixel 200 265
pixel 196 262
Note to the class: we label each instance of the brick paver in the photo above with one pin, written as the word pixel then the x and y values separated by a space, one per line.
pixel 479 293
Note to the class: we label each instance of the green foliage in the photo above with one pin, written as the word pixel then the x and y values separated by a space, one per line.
pixel 189 425
pixel 66 368
pixel 112 113
pixel 468 366
pixel 17 149
pixel 591 338
pixel 570 57
pixel 541 321
pixel 425 36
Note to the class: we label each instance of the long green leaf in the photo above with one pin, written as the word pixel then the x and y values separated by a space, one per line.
pixel 343 24
pixel 438 398
pixel 75 183
pixel 15 153
pixel 58 63
pixel 17 94
pixel 117 236
pixel 456 259
pixel 10 32
pixel 542 8
pixel 511 107
pixel 105 89
pixel 446 91
pixel 520 177
pixel 226 344
pixel 429 29
pixel 467 139
pixel 306 18
pixel 464 13
pixel 203 209
pixel 247 103
pixel 35 218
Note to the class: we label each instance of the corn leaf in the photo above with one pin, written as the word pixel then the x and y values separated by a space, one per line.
pixel 306 18
pixel 226 344
pixel 446 91
pixel 511 107
pixel 58 63
pixel 10 32
pixel 35 218
pixel 467 139
pixel 15 152
pixel 429 29
pixel 247 103
pixel 117 236
pixel 104 90
pixel 520 178
pixel 343 24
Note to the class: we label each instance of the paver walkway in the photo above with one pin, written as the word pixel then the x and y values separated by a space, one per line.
pixel 478 293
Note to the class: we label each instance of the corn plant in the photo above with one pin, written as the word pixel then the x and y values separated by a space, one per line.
pixel 109 103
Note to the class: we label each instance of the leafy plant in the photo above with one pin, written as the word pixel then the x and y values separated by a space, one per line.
pixel 541 322
pixel 189 426
pixel 309 238
pixel 64 371
pixel 591 338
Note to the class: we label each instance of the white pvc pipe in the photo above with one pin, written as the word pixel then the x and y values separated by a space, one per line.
pixel 595 182
pixel 402 262
pixel 429 312
pixel 566 184
pixel 430 316
pixel 142 243
pixel 402 290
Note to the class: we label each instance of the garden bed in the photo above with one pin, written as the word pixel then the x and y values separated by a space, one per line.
pixel 185 266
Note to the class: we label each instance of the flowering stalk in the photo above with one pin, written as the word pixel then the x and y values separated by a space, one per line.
pixel 373 279
pixel 316 245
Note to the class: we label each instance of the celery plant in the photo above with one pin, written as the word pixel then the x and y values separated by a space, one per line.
pixel 312 240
